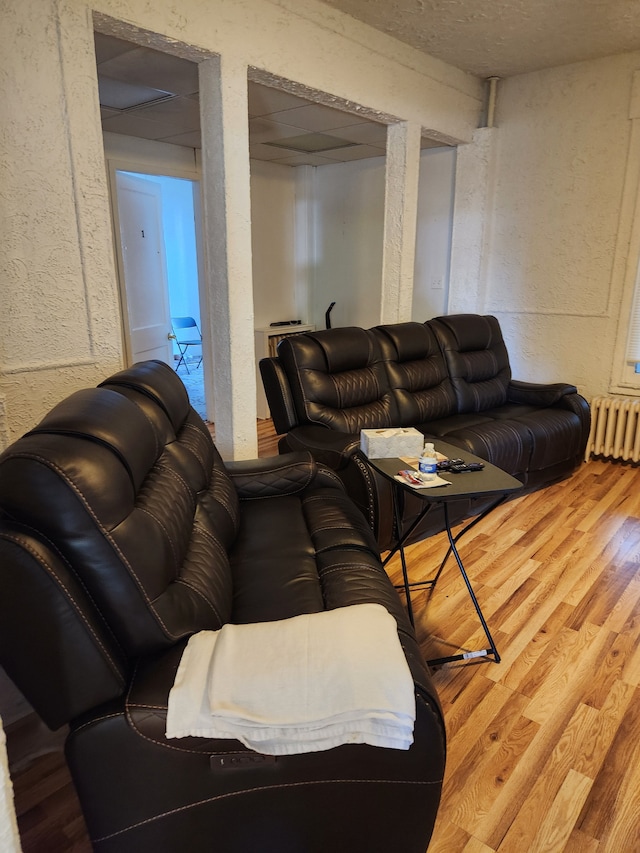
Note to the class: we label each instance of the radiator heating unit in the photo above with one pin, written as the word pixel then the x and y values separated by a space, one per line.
pixel 615 428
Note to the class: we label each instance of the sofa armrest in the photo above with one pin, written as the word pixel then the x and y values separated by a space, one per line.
pixel 368 489
pixel 538 394
pixel 287 474
pixel 328 446
pixel 278 393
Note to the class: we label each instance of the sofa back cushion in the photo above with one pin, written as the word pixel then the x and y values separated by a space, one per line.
pixel 338 379
pixel 136 500
pixel 417 372
pixel 476 358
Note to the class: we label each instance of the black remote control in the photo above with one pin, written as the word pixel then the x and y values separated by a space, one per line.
pixel 465 467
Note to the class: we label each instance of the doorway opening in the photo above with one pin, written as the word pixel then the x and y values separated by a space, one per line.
pixel 159 270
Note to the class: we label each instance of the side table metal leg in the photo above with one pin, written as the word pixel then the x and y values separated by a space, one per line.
pixel 405 574
pixel 492 650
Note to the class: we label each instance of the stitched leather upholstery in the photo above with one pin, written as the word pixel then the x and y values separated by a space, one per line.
pixel 450 378
pixel 416 372
pixel 338 379
pixel 122 532
pixel 476 358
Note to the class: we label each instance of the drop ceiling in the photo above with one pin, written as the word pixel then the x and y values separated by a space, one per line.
pixel 153 95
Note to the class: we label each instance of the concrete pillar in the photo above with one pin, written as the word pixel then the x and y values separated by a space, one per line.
pixel 227 295
pixel 401 203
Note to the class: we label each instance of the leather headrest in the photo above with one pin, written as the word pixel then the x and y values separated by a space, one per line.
pixel 160 383
pixel 99 415
pixel 411 341
pixel 472 331
pixel 345 348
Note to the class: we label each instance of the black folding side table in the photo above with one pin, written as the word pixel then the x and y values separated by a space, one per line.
pixel 487 483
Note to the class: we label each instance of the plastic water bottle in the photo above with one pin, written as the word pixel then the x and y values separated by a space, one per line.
pixel 428 464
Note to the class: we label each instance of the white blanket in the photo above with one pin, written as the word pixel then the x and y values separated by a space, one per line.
pixel 303 684
pixel 9 836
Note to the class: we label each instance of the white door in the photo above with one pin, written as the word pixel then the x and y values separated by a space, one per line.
pixel 143 269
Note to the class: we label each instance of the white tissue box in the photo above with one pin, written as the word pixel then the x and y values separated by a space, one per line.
pixel 391 442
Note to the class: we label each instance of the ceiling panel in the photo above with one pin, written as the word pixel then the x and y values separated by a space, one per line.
pixel 152 95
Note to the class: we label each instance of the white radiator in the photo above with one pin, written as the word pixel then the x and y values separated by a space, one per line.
pixel 615 428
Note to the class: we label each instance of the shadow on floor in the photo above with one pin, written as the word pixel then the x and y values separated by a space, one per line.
pixel 194 383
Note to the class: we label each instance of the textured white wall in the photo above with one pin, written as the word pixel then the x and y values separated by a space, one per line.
pixel 273 209
pixel 348 204
pixel 62 324
pixel 433 233
pixel 552 240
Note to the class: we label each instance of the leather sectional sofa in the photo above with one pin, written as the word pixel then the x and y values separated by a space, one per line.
pixel 122 533
pixel 450 378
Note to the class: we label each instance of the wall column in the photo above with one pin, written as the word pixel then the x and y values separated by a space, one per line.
pixel 473 216
pixel 400 215
pixel 227 298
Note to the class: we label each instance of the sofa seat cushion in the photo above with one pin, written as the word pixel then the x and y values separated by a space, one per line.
pixel 273 563
pixel 555 433
pixel 303 554
pixel 518 439
pixel 505 443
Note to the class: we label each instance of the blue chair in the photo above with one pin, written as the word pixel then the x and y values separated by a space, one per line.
pixel 185 339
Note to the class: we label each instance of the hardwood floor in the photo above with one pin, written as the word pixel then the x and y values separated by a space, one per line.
pixel 543 748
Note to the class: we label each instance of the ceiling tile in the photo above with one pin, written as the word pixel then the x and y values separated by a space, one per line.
pixel 264 100
pixel 190 140
pixel 312 143
pixel 121 96
pixel 133 125
pixel 183 111
pixel 315 117
pixel 130 75
pixel 358 152
pixel 145 67
pixel 303 160
pixel 258 151
pixel 369 133
pixel 263 130
pixel 108 47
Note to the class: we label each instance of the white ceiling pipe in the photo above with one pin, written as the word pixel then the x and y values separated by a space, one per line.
pixel 491 104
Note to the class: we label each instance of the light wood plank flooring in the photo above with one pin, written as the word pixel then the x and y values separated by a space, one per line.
pixel 543 748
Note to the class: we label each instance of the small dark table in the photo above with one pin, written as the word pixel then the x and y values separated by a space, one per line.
pixel 491 481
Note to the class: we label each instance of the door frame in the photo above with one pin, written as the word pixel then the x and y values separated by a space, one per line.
pixel 153 170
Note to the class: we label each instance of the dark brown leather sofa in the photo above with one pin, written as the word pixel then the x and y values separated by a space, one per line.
pixel 122 532
pixel 450 378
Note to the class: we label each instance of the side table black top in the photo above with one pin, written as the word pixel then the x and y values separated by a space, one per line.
pixel 490 481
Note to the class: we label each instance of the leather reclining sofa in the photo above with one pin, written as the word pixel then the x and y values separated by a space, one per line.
pixel 122 532
pixel 449 377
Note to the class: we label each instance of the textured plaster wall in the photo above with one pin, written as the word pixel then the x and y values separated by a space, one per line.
pixel 547 249
pixel 61 309
pixel 348 207
pixel 273 207
pixel 433 233
pixel 60 321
